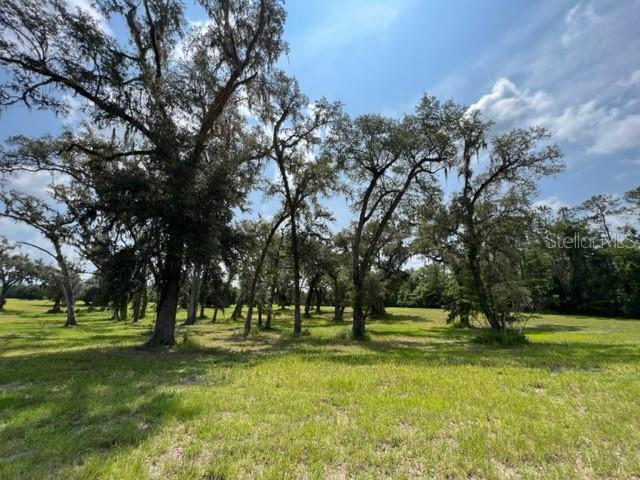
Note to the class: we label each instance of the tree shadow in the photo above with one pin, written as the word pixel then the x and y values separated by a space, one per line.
pixel 438 346
pixel 60 408
pixel 551 328
pixel 400 317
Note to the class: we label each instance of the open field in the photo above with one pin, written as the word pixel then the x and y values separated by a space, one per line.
pixel 418 400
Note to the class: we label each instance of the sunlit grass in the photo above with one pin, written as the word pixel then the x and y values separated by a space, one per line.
pixel 419 399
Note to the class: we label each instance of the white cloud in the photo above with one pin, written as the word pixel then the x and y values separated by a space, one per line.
pixel 506 102
pixel 578 121
pixel 36 184
pixel 579 20
pixel 604 130
pixel 634 79
pixel 617 135
pixel 553 203
pixel 600 128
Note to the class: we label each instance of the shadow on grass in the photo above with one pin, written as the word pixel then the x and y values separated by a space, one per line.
pixel 435 346
pixel 60 408
pixel 395 317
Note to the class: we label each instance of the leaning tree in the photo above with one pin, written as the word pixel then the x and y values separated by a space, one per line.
pixel 493 210
pixel 153 99
pixel 297 127
pixel 385 158
pixel 55 226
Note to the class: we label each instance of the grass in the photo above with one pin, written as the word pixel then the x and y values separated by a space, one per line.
pixel 419 399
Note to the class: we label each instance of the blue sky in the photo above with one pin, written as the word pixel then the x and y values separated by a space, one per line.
pixel 571 66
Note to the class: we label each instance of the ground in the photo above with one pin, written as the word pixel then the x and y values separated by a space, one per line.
pixel 418 400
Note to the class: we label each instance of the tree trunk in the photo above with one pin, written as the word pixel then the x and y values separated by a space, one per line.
pixel 337 300
pixel 318 300
pixel 194 294
pixel 145 301
pixel 297 319
pixel 267 322
pixel 358 326
pixel 260 315
pixel 258 272
pixel 2 300
pixel 164 327
pixel 309 298
pixel 67 285
pixel 56 306
pixel 70 301
pixel 272 287
pixel 136 303
pixel 214 317
pixel 124 304
pixel 480 287
pixel 237 310
pixel 307 304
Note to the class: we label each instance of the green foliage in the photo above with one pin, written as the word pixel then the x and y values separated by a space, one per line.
pixel 506 338
pixel 425 287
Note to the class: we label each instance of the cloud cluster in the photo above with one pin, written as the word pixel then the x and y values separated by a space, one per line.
pixel 506 102
pixel 579 77
pixel 600 129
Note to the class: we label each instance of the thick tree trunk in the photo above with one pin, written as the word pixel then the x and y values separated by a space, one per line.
pixel 267 322
pixel 115 310
pixel 56 306
pixel 307 302
pixel 164 327
pixel 124 304
pixel 358 326
pixel 71 303
pixel 2 300
pixel 194 294
pixel 337 313
pixel 237 309
pixel 260 315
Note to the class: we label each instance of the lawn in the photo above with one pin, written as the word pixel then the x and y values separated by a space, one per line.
pixel 418 400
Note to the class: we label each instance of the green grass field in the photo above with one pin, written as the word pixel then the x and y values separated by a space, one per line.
pixel 419 400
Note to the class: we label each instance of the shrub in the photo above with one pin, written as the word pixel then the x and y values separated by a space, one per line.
pixel 504 338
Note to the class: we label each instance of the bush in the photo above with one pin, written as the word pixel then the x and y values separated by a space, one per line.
pixel 506 338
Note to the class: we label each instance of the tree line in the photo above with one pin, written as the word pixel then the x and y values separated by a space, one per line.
pixel 180 120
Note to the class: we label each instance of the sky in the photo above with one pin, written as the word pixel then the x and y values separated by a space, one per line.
pixel 573 67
